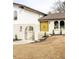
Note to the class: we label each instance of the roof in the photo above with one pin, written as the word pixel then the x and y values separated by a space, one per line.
pixel 54 16
pixel 28 8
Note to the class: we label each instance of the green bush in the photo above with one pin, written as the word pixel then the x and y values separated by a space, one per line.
pixel 16 38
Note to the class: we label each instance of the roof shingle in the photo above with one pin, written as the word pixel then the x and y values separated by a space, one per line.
pixel 55 16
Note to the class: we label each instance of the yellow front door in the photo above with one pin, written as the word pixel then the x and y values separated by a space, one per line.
pixel 44 26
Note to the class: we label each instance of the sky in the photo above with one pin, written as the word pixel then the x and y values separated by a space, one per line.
pixel 41 5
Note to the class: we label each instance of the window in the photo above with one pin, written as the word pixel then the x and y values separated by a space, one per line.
pixel 30 28
pixel 15 15
pixel 56 25
pixel 62 25
pixel 20 28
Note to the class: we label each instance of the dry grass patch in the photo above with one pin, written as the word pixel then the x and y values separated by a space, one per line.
pixel 51 48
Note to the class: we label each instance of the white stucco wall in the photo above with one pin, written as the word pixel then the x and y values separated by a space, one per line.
pixel 21 34
pixel 51 27
pixel 26 18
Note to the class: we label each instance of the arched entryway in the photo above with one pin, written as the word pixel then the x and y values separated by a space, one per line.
pixel 62 24
pixel 29 33
pixel 56 25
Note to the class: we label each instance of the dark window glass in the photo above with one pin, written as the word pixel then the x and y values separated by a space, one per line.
pixel 56 25
pixel 62 25
pixel 30 28
pixel 15 15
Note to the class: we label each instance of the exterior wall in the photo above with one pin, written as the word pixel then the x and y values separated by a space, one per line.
pixel 51 28
pixel 21 34
pixel 24 19
pixel 56 31
pixel 63 31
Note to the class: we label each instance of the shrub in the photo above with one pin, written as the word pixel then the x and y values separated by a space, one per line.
pixel 16 38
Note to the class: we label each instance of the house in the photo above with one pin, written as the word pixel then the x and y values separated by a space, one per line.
pixel 53 23
pixel 26 24
pixel 30 25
